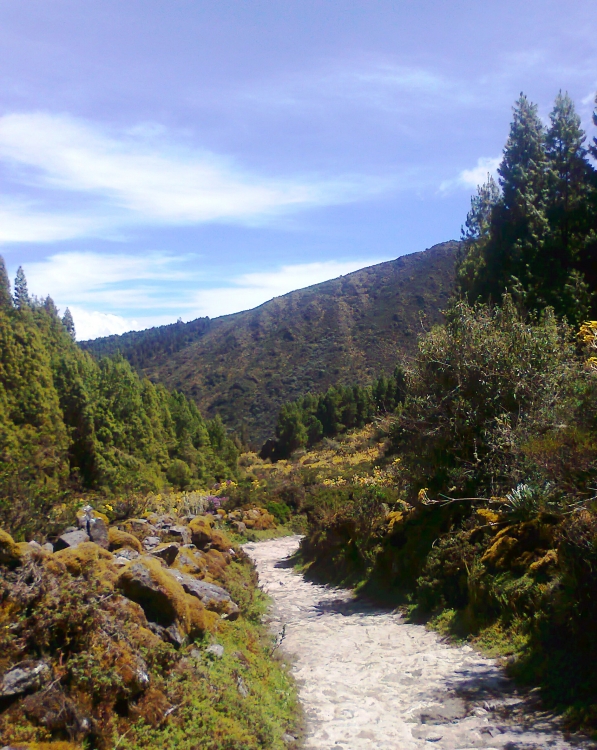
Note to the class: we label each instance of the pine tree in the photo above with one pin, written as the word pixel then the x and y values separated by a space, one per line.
pixel 5 296
pixel 21 294
pixel 568 211
pixel 69 323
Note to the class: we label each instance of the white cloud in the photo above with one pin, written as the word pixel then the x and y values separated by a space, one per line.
pixel 471 178
pixel 252 289
pixel 138 177
pixel 92 325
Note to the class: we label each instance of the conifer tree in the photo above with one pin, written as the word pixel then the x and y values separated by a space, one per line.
pixel 21 294
pixel 568 210
pixel 69 323
pixel 5 296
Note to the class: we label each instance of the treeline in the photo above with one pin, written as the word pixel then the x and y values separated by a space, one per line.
pixel 304 422
pixel 71 424
pixel 533 233
pixel 141 347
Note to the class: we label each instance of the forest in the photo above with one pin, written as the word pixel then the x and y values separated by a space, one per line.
pixel 73 426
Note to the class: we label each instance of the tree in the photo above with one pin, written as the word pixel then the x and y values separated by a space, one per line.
pixel 21 295
pixel 568 211
pixel 5 296
pixel 69 324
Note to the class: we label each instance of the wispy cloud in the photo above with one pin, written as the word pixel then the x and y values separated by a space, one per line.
pixel 469 179
pixel 140 177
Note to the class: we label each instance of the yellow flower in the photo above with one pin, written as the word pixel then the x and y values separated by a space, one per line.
pixel 109 507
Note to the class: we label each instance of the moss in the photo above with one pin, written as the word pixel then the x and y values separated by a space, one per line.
pixel 81 516
pixel 88 558
pixel 216 563
pixel 119 539
pixel 488 516
pixel 10 553
pixel 518 546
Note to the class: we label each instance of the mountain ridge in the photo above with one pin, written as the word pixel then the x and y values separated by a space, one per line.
pixel 345 330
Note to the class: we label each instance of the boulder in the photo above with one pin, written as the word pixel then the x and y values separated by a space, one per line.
pixel 201 531
pixel 161 596
pixel 126 553
pixel 220 541
pixel 119 539
pixel 26 676
pixel 166 552
pixel 213 597
pixel 88 558
pixel 9 550
pixel 180 534
pixel 71 539
pixel 240 527
pixel 151 541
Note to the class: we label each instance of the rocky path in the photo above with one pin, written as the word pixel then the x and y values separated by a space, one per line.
pixel 368 680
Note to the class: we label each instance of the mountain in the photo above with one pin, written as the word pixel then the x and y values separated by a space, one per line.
pixel 348 330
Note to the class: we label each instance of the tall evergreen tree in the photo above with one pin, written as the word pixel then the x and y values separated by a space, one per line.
pixel 69 324
pixel 5 296
pixel 568 211
pixel 21 294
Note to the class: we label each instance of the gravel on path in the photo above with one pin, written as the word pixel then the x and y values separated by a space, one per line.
pixel 368 680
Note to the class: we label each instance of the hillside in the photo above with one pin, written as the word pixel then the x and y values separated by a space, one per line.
pixel 244 366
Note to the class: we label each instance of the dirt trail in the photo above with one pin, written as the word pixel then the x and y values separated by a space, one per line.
pixel 368 680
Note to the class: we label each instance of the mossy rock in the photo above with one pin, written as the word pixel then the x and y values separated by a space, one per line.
pixel 264 522
pixel 163 599
pixel 81 517
pixel 488 516
pixel 91 559
pixel 216 563
pixel 118 539
pixel 201 530
pixel 220 541
pixel 10 552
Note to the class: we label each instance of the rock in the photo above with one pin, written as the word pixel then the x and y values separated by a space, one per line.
pixel 119 539
pixel 288 738
pixel 28 675
pixel 126 553
pixel 220 541
pixel 242 688
pixel 166 552
pixel 180 534
pixel 200 529
pixel 159 593
pixel 171 634
pixel 151 541
pixel 139 527
pixel 212 597
pixel 239 526
pixel 88 557
pixel 71 539
pixel 9 551
pixel 98 532
pixel 48 546
pixel 216 649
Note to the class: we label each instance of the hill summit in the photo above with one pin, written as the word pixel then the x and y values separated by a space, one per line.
pixel 347 330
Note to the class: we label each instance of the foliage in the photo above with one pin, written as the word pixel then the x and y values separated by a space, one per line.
pixel 534 235
pixel 69 424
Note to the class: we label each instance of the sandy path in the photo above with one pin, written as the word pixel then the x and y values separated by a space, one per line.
pixel 369 680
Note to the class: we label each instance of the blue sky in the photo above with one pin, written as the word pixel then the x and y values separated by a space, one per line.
pixel 174 159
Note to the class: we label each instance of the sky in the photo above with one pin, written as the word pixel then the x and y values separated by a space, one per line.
pixel 164 160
